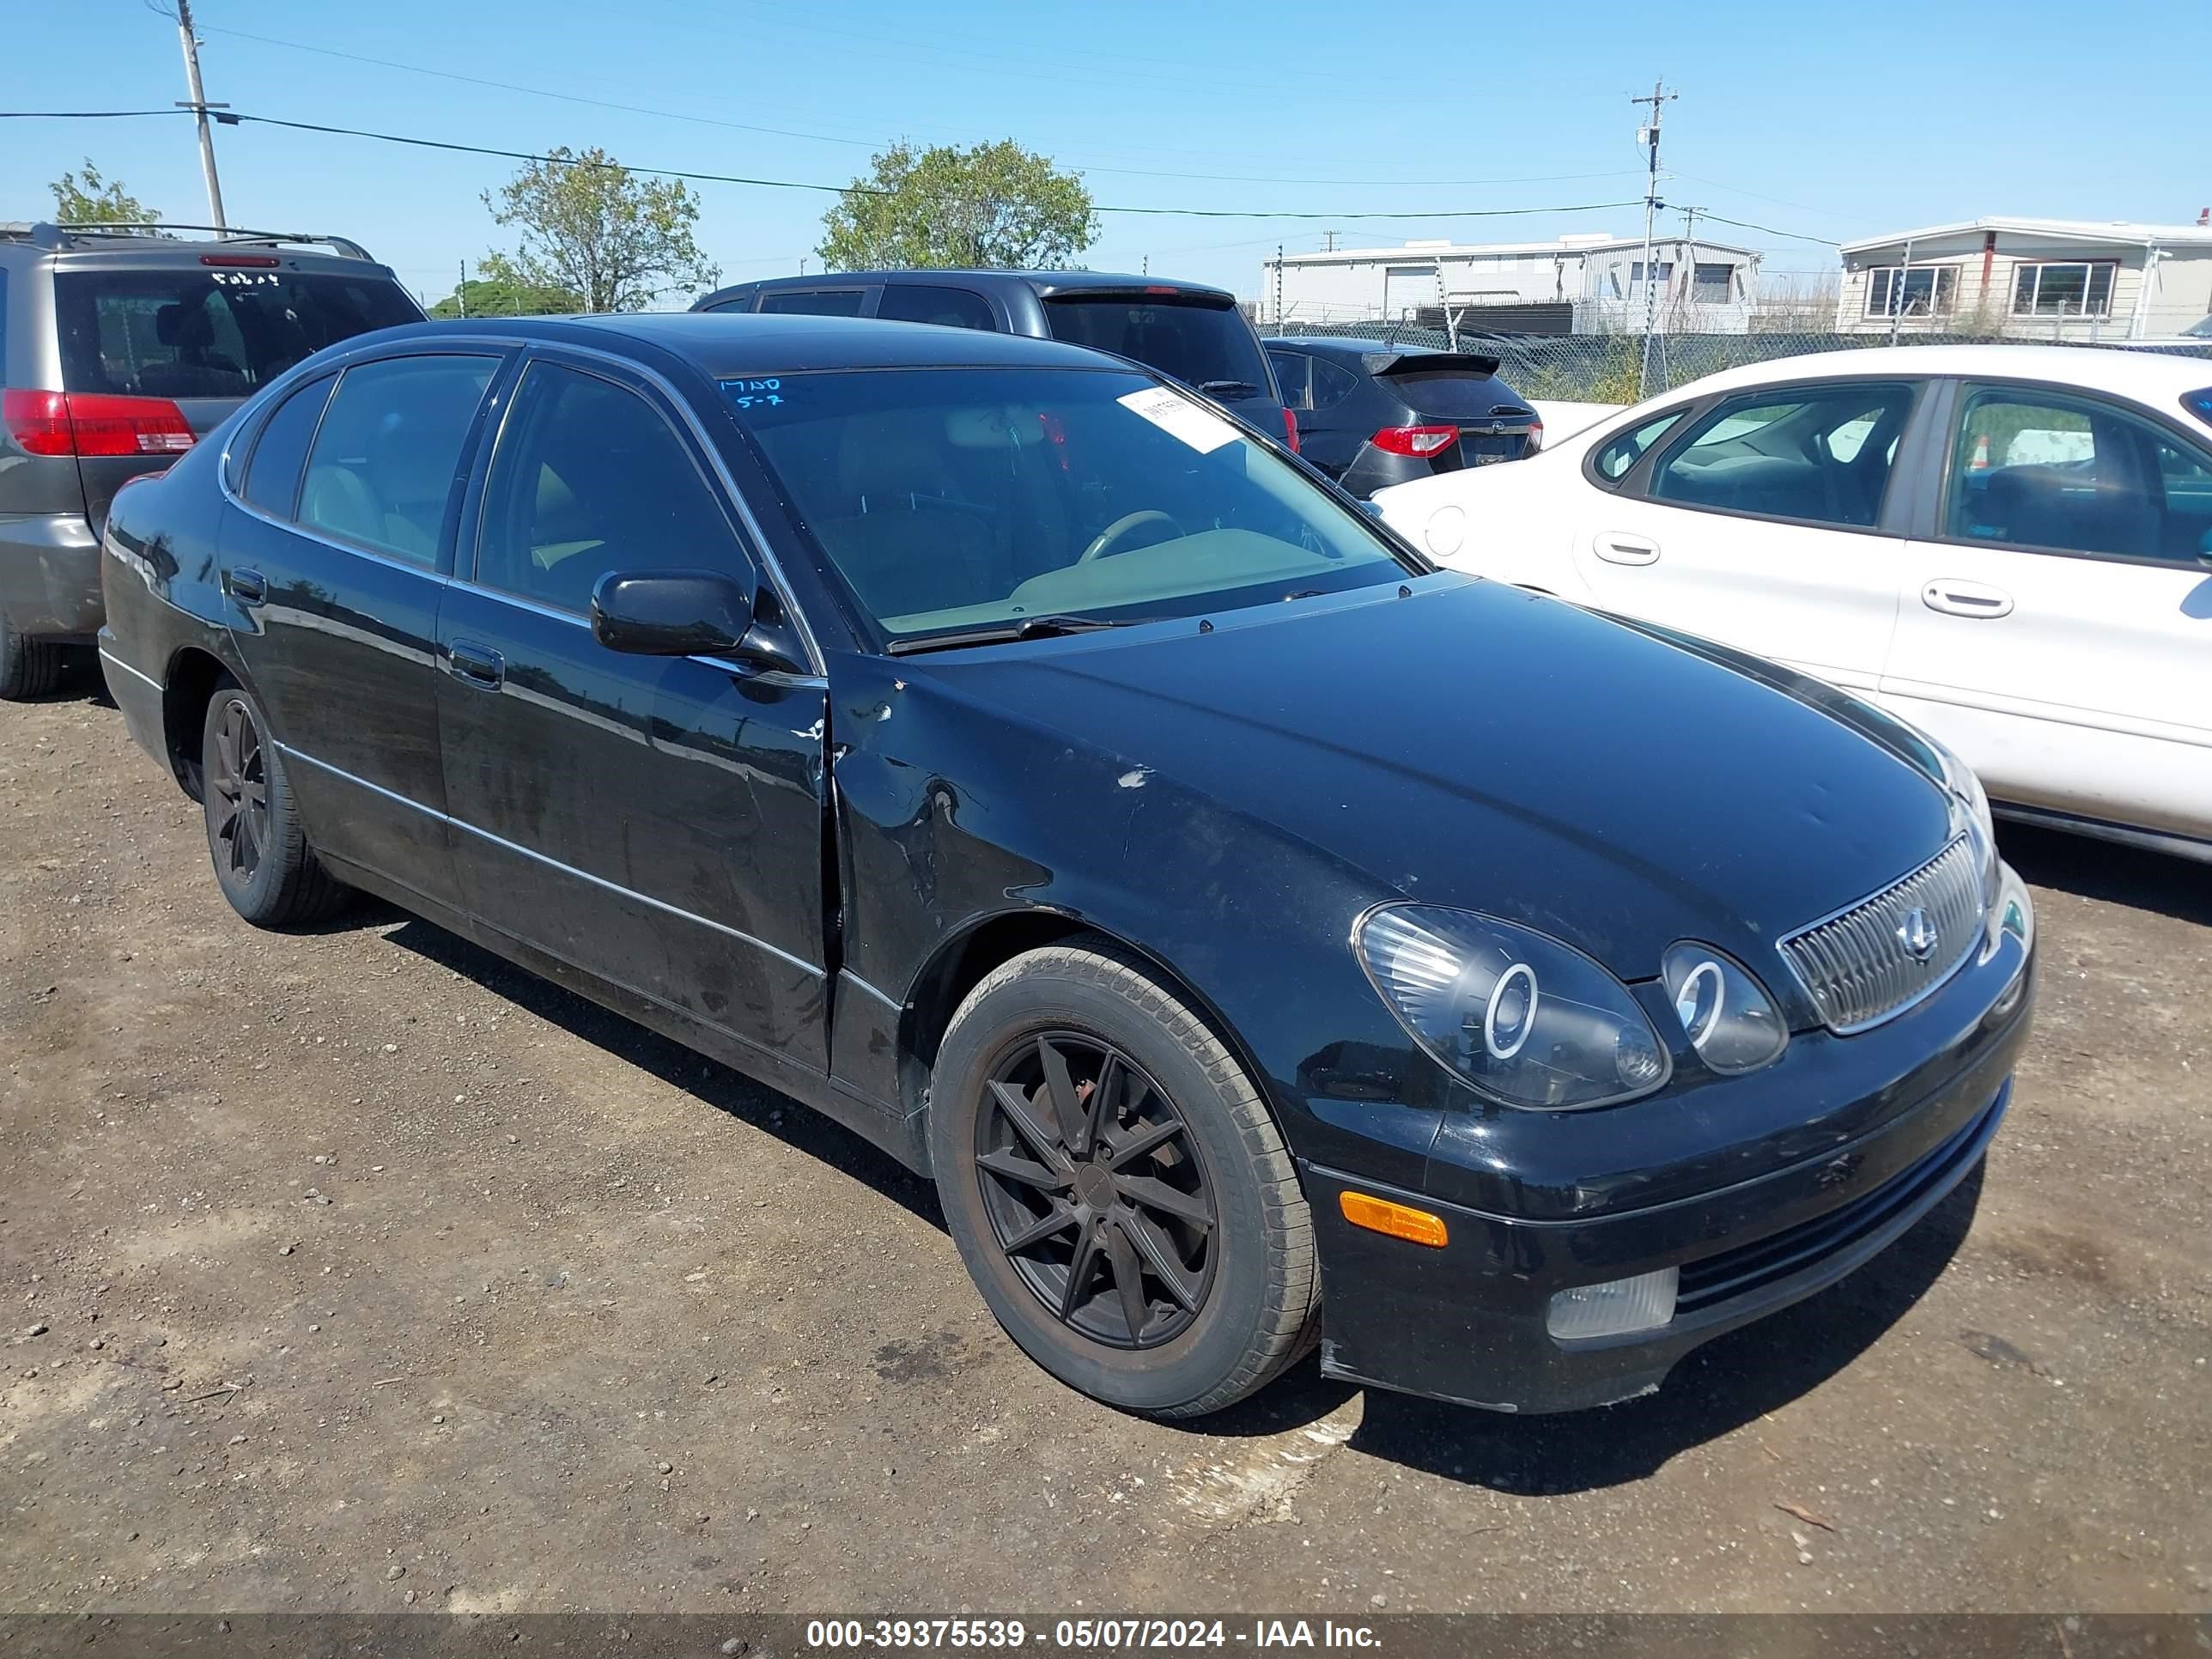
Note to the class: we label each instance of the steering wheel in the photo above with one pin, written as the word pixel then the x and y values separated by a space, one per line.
pixel 1103 542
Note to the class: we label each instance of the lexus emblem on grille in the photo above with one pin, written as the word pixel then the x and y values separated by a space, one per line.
pixel 1917 934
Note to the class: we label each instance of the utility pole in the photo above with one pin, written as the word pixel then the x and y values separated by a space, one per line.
pixel 1897 292
pixel 1649 136
pixel 1329 241
pixel 462 292
pixel 199 107
pixel 1279 285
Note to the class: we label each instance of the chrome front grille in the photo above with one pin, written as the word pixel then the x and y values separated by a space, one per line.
pixel 1860 967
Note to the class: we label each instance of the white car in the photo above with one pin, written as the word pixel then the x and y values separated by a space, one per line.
pixel 2009 546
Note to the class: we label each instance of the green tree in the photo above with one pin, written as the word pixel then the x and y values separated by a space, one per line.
pixel 495 299
pixel 591 228
pixel 996 205
pixel 87 198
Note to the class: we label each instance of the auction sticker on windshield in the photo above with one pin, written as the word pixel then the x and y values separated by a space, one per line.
pixel 1180 418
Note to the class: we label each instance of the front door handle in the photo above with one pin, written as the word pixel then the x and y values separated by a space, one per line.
pixel 479 665
pixel 249 587
pixel 1617 547
pixel 1955 598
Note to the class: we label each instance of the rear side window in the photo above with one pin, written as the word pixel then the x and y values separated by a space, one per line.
pixel 816 302
pixel 1201 345
pixel 1293 377
pixel 197 333
pixel 272 475
pixel 926 302
pixel 1453 394
pixel 386 460
pixel 1819 453
pixel 1332 384
pixel 1614 460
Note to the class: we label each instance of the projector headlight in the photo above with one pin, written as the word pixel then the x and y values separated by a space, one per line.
pixel 1519 1017
pixel 1726 1013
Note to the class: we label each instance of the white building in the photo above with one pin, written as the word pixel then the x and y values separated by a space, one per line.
pixel 1589 284
pixel 2030 279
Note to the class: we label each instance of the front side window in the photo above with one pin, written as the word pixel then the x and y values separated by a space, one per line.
pixel 1913 291
pixel 589 479
pixel 389 452
pixel 2062 291
pixel 208 331
pixel 2045 470
pixel 949 499
pixel 1612 462
pixel 816 302
pixel 927 302
pixel 1819 453
pixel 280 454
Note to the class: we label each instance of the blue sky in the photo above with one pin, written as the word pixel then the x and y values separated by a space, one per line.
pixel 1833 121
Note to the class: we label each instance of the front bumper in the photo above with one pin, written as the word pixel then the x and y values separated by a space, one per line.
pixel 50 576
pixel 1466 1321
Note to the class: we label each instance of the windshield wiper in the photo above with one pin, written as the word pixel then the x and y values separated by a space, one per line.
pixel 1228 388
pixel 1030 627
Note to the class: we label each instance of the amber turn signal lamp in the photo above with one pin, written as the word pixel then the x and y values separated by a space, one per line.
pixel 1380 1215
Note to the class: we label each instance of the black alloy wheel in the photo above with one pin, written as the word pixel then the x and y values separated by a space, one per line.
pixel 237 792
pixel 1096 1190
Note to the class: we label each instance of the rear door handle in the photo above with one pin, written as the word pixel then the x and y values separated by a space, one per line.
pixel 1616 547
pixel 249 587
pixel 479 665
pixel 1955 598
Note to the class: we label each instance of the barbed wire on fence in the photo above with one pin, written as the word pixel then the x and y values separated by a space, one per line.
pixel 1603 367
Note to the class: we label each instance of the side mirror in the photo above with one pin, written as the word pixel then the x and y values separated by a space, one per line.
pixel 670 613
pixel 688 613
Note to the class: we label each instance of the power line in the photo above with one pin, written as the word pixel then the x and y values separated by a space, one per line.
pixel 873 143
pixel 1769 230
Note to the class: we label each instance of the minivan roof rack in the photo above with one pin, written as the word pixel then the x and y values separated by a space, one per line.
pixel 54 237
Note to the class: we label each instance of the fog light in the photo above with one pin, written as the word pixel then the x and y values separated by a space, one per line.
pixel 1616 1307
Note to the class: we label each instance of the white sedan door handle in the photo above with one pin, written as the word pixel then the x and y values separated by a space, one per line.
pixel 1614 548
pixel 1954 597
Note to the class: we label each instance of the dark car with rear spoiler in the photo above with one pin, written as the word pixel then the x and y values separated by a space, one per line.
pixel 1185 330
pixel 123 345
pixel 1370 415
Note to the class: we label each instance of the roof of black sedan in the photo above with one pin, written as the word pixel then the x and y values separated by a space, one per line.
pixel 724 343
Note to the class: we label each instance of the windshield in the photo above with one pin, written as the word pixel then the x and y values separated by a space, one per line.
pixel 1198 344
pixel 950 498
pixel 202 332
pixel 1455 394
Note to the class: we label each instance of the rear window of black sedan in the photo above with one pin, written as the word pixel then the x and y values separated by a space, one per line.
pixel 948 498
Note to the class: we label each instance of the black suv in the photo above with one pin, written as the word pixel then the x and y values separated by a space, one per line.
pixel 122 345
pixel 1186 330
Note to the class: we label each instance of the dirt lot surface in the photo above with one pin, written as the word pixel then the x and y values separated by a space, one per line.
pixel 357 1271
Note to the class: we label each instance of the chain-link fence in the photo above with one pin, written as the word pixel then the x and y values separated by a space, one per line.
pixel 1608 368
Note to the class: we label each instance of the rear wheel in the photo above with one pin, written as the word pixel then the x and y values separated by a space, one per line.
pixel 262 860
pixel 28 668
pixel 1117 1186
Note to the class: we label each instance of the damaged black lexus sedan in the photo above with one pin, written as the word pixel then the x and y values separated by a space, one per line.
pixel 1262 939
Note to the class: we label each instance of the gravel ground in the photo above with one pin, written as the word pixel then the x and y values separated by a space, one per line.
pixel 357 1271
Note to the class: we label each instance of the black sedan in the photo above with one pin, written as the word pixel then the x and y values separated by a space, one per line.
pixel 1260 937
pixel 1370 415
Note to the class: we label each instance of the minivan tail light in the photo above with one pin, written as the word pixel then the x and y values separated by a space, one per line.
pixel 93 423
pixel 1290 428
pixel 1421 441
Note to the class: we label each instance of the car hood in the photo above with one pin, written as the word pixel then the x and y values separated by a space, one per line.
pixel 1472 744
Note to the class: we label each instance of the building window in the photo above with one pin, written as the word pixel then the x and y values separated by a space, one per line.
pixel 1912 291
pixel 1665 268
pixel 1713 285
pixel 2072 290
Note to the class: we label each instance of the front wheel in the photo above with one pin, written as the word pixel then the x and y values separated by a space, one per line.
pixel 1117 1186
pixel 262 860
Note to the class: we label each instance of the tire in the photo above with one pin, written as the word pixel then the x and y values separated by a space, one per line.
pixel 262 860
pixel 1249 1268
pixel 28 668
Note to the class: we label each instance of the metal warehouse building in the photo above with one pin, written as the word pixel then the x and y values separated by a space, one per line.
pixel 1581 285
